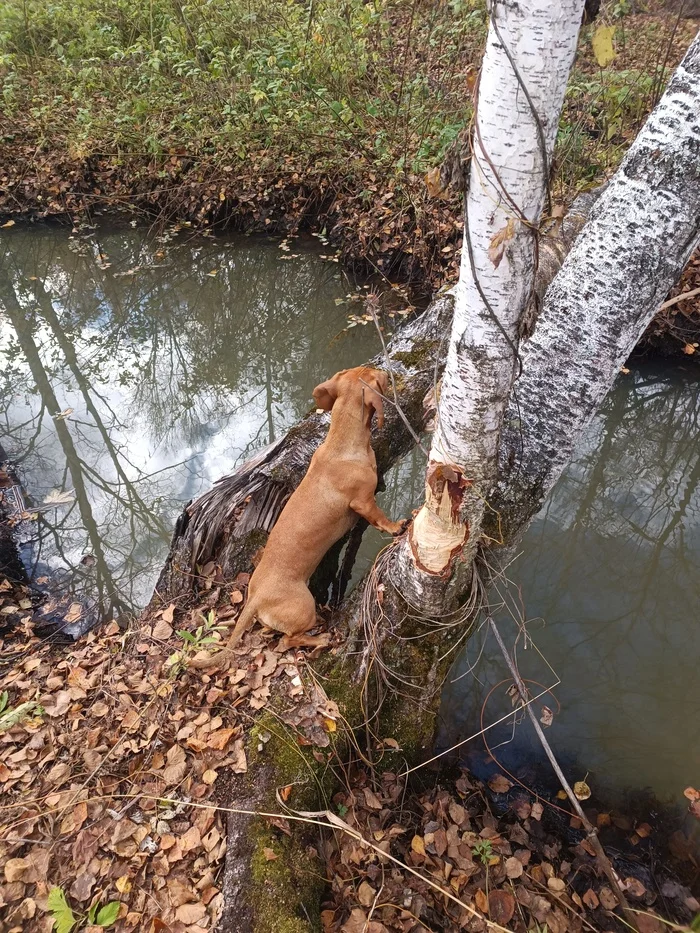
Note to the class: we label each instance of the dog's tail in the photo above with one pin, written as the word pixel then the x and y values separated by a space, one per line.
pixel 245 620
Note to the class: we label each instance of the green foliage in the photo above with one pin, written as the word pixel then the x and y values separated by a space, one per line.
pixel 484 851
pixel 10 717
pixel 64 920
pixel 242 76
pixel 63 917
pixel 202 637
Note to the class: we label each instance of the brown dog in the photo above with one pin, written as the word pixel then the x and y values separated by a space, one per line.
pixel 338 487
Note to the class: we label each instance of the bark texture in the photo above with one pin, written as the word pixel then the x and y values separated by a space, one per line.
pixel 639 237
pixel 529 52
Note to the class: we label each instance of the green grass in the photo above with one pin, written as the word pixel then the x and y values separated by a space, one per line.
pixel 275 113
pixel 380 82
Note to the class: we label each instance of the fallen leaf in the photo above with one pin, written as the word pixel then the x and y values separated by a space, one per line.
pixel 219 739
pixel 513 867
pixel 547 717
pixel 501 906
pixel 162 630
pixel 607 898
pixel 418 845
pixel 15 868
pixel 270 854
pixel 190 913
pixel 209 777
pixel 123 884
pixel 590 899
pixel 634 887
pixel 537 811
pixel 167 615
pixel 582 790
pixel 556 884
pixel 366 894
pixel 500 784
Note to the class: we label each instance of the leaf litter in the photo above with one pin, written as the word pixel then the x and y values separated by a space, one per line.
pixel 98 742
pixel 106 745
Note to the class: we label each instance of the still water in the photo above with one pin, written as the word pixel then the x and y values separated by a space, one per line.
pixel 134 372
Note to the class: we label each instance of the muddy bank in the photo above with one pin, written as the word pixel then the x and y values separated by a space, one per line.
pixel 417 243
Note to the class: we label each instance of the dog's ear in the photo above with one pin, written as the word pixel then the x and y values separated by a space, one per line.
pixel 373 397
pixel 326 392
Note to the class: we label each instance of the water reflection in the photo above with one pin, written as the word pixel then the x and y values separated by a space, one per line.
pixel 610 578
pixel 136 372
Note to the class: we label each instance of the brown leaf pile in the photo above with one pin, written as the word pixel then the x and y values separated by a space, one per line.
pixel 103 787
pixel 509 871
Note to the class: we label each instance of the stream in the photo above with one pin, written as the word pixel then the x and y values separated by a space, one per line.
pixel 136 370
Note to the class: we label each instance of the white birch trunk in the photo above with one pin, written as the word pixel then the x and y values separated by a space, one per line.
pixel 638 238
pixel 529 51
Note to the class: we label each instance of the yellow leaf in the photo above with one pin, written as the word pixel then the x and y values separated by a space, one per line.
pixel 418 845
pixel 582 790
pixel 123 884
pixel 689 348
pixel 433 183
pixel 209 777
pixel 602 42
pixel 330 726
pixel 499 241
pixel 10 223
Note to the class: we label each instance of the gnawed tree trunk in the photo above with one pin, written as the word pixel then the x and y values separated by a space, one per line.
pixel 529 52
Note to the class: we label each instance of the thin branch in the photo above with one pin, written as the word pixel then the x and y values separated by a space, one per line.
pixel 591 831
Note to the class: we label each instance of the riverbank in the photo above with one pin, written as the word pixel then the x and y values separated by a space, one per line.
pixel 334 121
pixel 116 772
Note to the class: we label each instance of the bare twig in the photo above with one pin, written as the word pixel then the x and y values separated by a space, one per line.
pixel 682 297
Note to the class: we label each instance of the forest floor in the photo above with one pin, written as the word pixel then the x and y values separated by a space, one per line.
pixel 334 119
pixel 114 771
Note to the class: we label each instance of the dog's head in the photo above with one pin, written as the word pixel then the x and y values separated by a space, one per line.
pixel 368 384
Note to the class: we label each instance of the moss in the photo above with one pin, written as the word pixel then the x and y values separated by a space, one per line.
pixel 282 884
pixel 418 355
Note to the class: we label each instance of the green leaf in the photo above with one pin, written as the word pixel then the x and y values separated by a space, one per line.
pixel 11 717
pixel 695 925
pixel 187 636
pixel 109 913
pixel 93 912
pixel 63 917
pixel 4 698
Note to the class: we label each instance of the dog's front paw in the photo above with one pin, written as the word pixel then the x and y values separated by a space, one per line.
pixel 402 526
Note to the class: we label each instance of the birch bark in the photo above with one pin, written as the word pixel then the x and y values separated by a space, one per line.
pixel 639 236
pixel 529 52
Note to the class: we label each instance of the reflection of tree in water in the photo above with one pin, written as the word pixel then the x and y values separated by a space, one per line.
pixel 612 567
pixel 159 365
